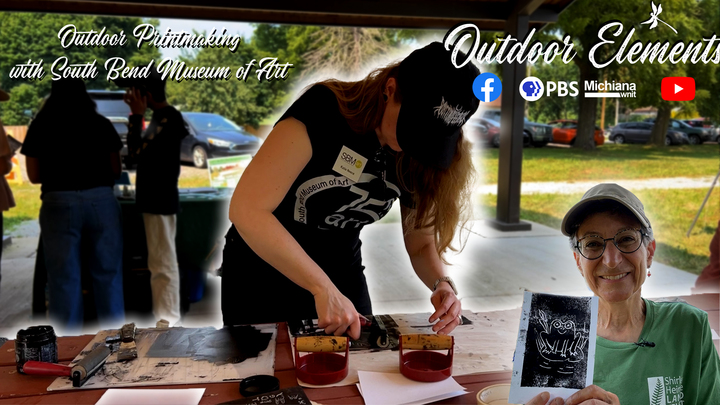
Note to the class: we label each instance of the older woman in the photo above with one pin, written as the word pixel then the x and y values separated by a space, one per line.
pixel 647 352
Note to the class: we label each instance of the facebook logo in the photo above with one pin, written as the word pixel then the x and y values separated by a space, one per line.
pixel 487 87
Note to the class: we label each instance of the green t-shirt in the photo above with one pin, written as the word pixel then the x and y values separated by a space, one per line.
pixel 682 369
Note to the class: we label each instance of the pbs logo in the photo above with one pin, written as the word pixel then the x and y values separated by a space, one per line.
pixel 532 88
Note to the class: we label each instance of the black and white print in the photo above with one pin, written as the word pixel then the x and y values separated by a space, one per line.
pixel 556 345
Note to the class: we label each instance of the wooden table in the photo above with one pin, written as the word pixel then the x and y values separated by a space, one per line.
pixel 16 388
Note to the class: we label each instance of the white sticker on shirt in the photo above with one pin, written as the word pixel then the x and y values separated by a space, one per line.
pixel 666 390
pixel 350 164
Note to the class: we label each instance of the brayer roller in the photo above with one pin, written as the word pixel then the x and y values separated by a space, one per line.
pixel 80 372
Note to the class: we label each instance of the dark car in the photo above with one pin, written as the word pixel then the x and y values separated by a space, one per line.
pixel 211 136
pixel 696 136
pixel 110 105
pixel 534 133
pixel 486 131
pixel 639 132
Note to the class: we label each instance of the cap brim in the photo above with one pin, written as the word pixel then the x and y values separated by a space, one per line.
pixel 424 137
pixel 578 210
pixel 4 96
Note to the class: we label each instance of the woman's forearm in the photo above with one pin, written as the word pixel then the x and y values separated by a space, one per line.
pixel 269 239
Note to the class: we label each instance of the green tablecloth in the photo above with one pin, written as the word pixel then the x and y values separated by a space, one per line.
pixel 201 227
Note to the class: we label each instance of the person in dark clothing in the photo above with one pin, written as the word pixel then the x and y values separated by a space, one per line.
pixel 77 166
pixel 335 162
pixel 157 154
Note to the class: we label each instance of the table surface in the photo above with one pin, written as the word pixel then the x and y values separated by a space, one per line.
pixel 16 388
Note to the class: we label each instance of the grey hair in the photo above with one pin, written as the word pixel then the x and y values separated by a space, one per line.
pixel 647 237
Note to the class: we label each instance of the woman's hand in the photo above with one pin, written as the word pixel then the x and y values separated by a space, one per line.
pixel 337 314
pixel 542 399
pixel 136 100
pixel 447 309
pixel 593 395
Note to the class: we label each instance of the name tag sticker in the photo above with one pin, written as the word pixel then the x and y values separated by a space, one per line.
pixel 350 164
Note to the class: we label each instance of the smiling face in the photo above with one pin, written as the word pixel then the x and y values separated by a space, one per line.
pixel 615 276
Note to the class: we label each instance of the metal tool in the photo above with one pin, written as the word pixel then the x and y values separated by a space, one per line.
pixel 128 348
pixel 375 328
pixel 79 373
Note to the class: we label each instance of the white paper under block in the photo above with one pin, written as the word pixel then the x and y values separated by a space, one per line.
pixel 396 389
pixel 190 396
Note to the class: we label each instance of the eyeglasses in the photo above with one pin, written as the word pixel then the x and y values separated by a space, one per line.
pixel 592 247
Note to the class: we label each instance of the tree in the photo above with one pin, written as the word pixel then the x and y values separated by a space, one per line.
pixel 554 108
pixel 245 102
pixel 347 52
pixel 34 36
pixel 582 21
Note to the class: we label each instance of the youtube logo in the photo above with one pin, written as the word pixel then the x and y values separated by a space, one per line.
pixel 678 88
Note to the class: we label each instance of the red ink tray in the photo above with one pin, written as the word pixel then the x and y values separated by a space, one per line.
pixel 426 365
pixel 321 367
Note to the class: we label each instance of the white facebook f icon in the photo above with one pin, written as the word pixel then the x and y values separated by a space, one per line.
pixel 487 89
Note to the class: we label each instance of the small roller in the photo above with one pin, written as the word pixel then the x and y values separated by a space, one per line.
pixel 79 373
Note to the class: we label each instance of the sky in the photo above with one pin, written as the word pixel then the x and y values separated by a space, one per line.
pixel 244 29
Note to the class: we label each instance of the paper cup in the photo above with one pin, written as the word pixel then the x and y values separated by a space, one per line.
pixel 494 395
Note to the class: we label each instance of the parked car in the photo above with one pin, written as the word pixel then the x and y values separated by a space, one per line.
pixel 110 105
pixel 485 131
pixel 707 125
pixel 696 136
pixel 639 132
pixel 481 131
pixel 565 131
pixel 536 134
pixel 211 136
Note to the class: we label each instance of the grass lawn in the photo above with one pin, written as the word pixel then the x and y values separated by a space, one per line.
pixel 670 212
pixel 27 206
pixel 609 161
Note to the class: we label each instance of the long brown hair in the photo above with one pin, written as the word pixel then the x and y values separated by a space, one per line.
pixel 441 197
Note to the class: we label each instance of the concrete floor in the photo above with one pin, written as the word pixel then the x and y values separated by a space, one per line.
pixel 491 274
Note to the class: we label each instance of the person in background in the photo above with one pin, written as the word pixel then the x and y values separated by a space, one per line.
pixel 646 351
pixel 74 152
pixel 6 153
pixel 157 154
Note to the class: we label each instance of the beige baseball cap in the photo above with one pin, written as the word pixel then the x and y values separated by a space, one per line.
pixel 604 191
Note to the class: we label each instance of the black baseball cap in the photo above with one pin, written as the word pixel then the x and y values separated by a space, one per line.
pixel 437 99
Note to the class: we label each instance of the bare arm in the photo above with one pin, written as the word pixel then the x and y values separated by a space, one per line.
pixel 420 245
pixel 33 169
pixel 261 188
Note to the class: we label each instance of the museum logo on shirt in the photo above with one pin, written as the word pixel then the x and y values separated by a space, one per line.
pixel 666 391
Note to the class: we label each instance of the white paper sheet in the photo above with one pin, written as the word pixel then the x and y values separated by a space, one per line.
pixel 396 389
pixel 556 343
pixel 189 396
